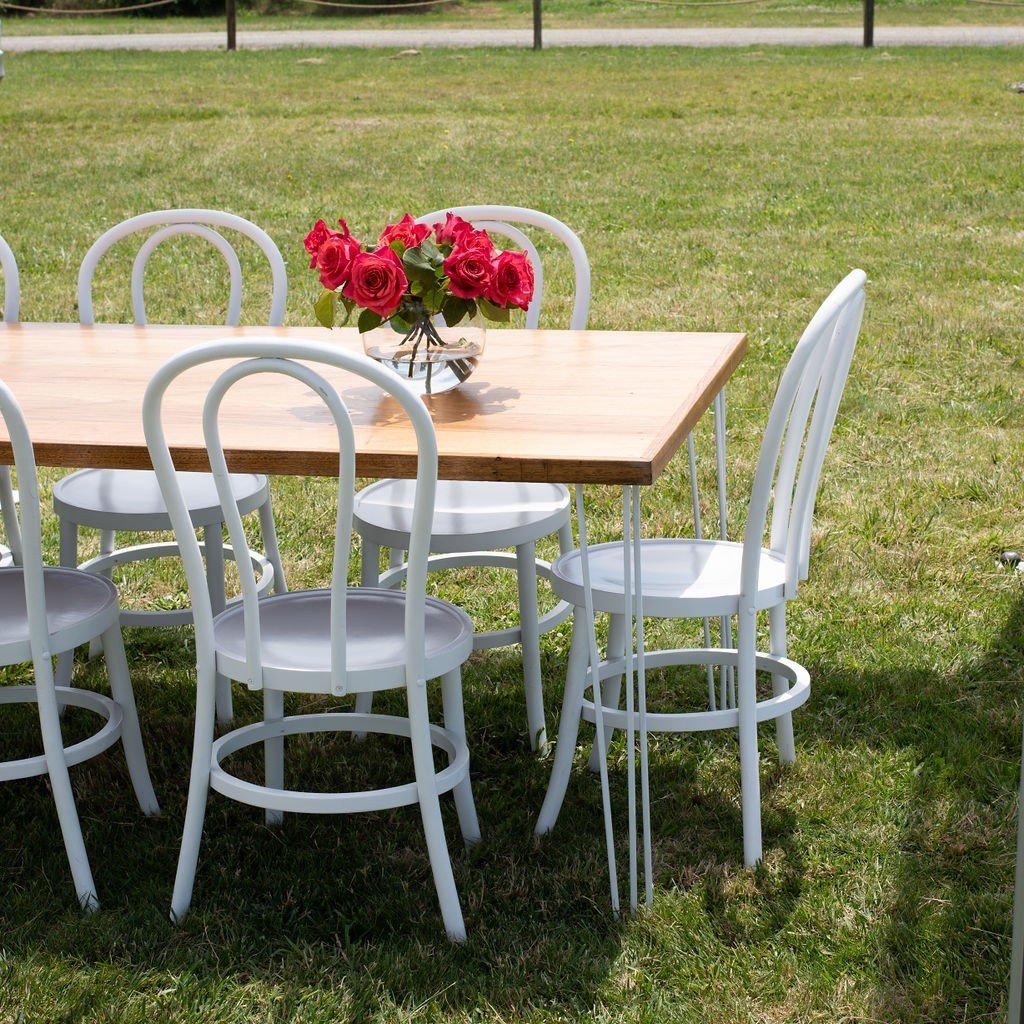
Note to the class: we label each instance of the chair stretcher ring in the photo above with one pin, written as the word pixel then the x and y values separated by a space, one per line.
pixel 705 721
pixel 332 803
pixel 102 564
pixel 108 735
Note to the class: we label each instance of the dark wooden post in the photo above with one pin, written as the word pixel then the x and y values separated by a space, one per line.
pixel 536 25
pixel 229 10
pixel 869 22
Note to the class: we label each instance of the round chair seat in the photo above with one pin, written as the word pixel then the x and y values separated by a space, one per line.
pixel 130 499
pixel 295 640
pixel 79 606
pixel 468 515
pixel 675 573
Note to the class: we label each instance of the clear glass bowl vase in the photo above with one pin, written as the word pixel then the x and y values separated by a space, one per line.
pixel 431 357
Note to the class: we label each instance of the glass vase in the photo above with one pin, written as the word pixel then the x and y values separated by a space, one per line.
pixel 431 357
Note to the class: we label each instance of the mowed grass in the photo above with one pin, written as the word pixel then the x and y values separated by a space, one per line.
pixel 713 190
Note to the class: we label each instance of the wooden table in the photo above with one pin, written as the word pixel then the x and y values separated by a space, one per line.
pixel 557 406
pixel 582 407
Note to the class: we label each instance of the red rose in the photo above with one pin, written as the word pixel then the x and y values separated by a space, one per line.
pixel 469 272
pixel 377 281
pixel 320 233
pixel 453 228
pixel 512 280
pixel 473 239
pixel 406 231
pixel 334 259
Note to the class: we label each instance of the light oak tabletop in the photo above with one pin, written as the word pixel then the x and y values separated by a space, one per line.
pixel 558 406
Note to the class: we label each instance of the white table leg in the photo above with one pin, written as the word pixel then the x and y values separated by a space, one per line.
pixel 641 683
pixel 595 681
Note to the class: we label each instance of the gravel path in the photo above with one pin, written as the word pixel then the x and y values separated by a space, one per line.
pixel 885 36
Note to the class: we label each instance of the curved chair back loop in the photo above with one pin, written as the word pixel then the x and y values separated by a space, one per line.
pixel 12 286
pixel 12 311
pixel 274 355
pixel 27 525
pixel 218 241
pixel 177 222
pixel 502 220
pixel 796 437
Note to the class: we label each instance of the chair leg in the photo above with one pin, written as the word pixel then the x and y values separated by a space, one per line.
pixel 369 576
pixel 611 689
pixel 273 751
pixel 750 775
pixel 131 735
pixel 269 534
pixel 198 793
pixel 568 725
pixel 9 514
pixel 213 541
pixel 430 812
pixel 107 544
pixel 455 721
pixel 69 559
pixel 526 578
pixel 60 784
pixel 784 723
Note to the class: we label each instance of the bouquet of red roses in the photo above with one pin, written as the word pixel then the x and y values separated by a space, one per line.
pixel 414 273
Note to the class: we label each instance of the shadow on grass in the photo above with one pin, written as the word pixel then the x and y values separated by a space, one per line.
pixel 346 906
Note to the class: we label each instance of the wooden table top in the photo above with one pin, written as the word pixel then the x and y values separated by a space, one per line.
pixel 557 406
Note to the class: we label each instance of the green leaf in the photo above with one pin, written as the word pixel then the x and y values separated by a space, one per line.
pixel 498 314
pixel 368 320
pixel 455 310
pixel 432 253
pixel 326 308
pixel 418 267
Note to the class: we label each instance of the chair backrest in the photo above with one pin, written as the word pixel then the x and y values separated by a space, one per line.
pixel 12 311
pixel 503 221
pixel 797 435
pixel 28 528
pixel 274 355
pixel 166 224
pixel 12 289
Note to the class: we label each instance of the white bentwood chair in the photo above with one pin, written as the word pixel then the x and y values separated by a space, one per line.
pixel 699 578
pixel 472 519
pixel 334 641
pixel 11 554
pixel 43 612
pixel 129 500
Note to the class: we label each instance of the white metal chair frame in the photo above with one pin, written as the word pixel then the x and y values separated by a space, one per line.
pixel 98 499
pixel 10 555
pixel 518 514
pixel 84 606
pixel 237 642
pixel 766 578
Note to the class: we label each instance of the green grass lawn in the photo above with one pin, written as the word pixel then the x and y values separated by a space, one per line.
pixel 713 190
